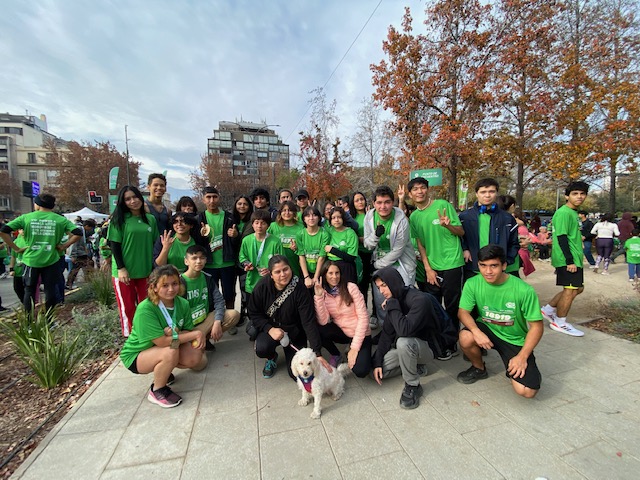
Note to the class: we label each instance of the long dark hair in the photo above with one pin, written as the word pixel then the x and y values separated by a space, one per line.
pixel 352 205
pixel 236 214
pixel 184 201
pixel 343 290
pixel 121 209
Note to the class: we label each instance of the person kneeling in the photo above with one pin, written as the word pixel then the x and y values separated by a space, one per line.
pixel 162 337
pixel 506 304
pixel 409 323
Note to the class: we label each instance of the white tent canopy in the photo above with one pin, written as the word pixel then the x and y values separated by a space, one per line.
pixel 85 214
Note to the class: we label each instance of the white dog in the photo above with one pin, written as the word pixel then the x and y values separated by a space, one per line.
pixel 315 380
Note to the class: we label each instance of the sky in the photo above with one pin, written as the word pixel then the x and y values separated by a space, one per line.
pixel 171 70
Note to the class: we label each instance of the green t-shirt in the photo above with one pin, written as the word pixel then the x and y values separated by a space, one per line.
pixel 287 235
pixel 249 251
pixel 216 222
pixel 444 250
pixel 632 246
pixel 345 241
pixel 484 226
pixel 105 249
pixel 137 239
pixel 566 222
pixel 311 247
pixel 149 324
pixel 421 273
pixel 197 294
pixel 42 233
pixel 177 252
pixel 384 245
pixel 4 251
pixel 359 218
pixel 505 308
pixel 18 264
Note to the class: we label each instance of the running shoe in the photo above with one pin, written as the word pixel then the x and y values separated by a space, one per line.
pixel 567 328
pixel 164 397
pixel 548 316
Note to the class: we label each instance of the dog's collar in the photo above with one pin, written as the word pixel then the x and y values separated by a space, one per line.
pixel 306 382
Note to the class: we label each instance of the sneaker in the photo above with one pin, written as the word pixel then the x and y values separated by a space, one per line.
pixel 373 322
pixel 605 272
pixel 4 275
pixel 548 316
pixel 209 347
pixel 242 320
pixel 335 360
pixel 422 370
pixel 164 397
pixel 593 267
pixel 232 331
pixel 472 375
pixel 567 328
pixel 410 397
pixel 448 354
pixel 171 380
pixel 270 367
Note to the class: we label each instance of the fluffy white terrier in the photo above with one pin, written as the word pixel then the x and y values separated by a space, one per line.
pixel 314 380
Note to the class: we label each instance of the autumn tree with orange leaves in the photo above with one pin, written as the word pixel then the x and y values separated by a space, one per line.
pixel 435 84
pixel 325 167
pixel 523 103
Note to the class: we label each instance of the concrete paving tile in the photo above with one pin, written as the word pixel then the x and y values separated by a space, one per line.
pixel 188 380
pixel 298 454
pixel 226 393
pixel 391 465
pixel 83 456
pixel 285 415
pixel 560 433
pixel 603 460
pixel 97 413
pixel 431 444
pixel 553 393
pixel 505 447
pixel 170 469
pixel 355 429
pixel 633 387
pixel 463 408
pixel 227 456
pixel 156 434
pixel 613 368
pixel 621 430
pixel 614 396
pixel 384 397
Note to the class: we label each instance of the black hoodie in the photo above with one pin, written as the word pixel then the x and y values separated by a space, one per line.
pixel 410 313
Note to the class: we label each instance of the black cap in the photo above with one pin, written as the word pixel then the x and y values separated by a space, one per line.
pixel 302 193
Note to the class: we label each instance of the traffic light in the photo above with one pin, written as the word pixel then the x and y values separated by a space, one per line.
pixel 94 198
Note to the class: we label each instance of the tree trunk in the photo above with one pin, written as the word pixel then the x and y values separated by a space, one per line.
pixel 612 187
pixel 519 183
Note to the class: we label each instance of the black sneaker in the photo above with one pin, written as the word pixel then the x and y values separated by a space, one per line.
pixel 171 379
pixel 209 347
pixel 270 367
pixel 410 397
pixel 164 397
pixel 448 354
pixel 472 375
pixel 243 319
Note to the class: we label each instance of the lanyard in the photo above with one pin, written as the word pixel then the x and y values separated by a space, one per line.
pixel 169 319
pixel 261 249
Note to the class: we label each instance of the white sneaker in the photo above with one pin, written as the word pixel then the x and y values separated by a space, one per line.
pixel 373 322
pixel 632 279
pixel 605 272
pixel 548 316
pixel 567 328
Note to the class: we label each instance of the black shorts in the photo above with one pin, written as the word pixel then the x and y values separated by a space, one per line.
pixel 507 351
pixel 568 279
pixel 134 365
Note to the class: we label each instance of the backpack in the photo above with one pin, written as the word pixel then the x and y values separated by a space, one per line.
pixel 443 335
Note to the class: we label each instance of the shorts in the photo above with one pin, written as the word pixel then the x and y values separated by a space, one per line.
pixel 568 279
pixel 134 365
pixel 532 377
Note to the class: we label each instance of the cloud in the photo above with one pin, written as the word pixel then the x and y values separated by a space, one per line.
pixel 172 70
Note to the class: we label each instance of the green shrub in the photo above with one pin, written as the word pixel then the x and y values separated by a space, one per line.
pixel 52 356
pixel 102 288
pixel 99 330
pixel 625 321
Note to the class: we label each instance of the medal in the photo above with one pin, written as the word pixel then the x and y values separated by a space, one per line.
pixel 175 344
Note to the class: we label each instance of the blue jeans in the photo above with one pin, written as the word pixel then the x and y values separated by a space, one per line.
pixel 587 252
pixel 634 268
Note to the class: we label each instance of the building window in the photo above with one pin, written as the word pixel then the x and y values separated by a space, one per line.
pixel 11 130
pixel 31 157
pixel 4 202
pixel 33 176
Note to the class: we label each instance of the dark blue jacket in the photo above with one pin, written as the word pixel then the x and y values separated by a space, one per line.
pixel 503 231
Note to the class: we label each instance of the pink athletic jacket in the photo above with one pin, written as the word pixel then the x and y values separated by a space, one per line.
pixel 353 320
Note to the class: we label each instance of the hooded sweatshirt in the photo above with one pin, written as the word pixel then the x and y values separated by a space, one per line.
pixel 626 227
pixel 402 255
pixel 410 313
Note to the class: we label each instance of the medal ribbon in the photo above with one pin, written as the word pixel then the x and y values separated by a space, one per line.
pixel 169 319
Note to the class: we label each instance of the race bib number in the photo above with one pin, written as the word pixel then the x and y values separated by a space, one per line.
pixel 216 243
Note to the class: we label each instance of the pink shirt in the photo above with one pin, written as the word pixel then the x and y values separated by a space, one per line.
pixel 353 320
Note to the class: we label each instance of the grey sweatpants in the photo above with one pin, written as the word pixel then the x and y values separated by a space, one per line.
pixel 404 359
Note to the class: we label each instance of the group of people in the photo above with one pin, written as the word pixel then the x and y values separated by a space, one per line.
pixel 305 276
